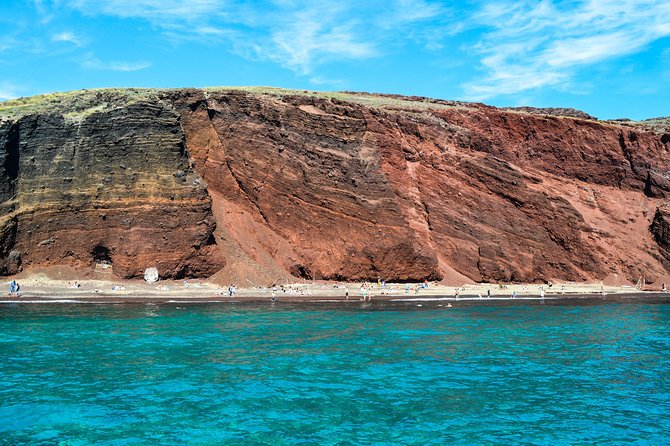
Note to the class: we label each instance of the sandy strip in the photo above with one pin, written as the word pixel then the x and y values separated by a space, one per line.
pixel 38 289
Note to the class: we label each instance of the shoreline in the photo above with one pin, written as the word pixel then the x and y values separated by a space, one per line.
pixel 40 289
pixel 330 301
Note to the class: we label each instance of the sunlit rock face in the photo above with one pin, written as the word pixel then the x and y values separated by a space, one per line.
pixel 272 183
pixel 107 184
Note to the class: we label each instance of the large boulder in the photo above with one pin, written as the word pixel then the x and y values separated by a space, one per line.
pixel 151 275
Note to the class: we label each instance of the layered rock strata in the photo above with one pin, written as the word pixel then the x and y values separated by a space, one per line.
pixel 104 187
pixel 329 186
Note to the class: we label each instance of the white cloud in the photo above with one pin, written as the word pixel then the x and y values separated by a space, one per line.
pixel 44 11
pixel 304 35
pixel 312 37
pixel 7 42
pixel 318 80
pixel 408 11
pixel 67 36
pixel 8 91
pixel 534 44
pixel 300 35
pixel 93 63
pixel 155 11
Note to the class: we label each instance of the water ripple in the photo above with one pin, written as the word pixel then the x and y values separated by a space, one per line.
pixel 130 375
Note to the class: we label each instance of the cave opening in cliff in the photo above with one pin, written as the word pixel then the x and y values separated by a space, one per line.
pixel 101 255
pixel 302 272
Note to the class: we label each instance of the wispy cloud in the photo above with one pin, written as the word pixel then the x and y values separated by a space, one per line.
pixel 300 35
pixel 7 42
pixel 8 91
pixel 318 80
pixel 304 35
pixel 155 11
pixel 313 36
pixel 534 44
pixel 408 11
pixel 44 11
pixel 93 63
pixel 67 36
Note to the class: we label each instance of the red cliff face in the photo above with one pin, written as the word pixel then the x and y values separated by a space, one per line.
pixel 109 184
pixel 347 187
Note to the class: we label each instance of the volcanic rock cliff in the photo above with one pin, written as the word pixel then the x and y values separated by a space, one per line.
pixel 262 183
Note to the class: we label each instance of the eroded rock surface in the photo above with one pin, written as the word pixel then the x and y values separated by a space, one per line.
pixel 340 186
pixel 82 187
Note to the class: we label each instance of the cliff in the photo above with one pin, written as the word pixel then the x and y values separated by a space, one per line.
pixel 262 183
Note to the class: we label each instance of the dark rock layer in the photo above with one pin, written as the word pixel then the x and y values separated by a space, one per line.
pixel 82 188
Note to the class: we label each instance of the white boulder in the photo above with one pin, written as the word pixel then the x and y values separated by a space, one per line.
pixel 151 275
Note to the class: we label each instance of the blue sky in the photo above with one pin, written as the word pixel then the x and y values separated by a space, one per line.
pixel 610 58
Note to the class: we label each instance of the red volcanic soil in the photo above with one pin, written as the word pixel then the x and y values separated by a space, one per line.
pixel 261 186
pixel 335 190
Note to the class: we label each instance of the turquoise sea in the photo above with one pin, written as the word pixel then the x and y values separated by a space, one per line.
pixel 287 375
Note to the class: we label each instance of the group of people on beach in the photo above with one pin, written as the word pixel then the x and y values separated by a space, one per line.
pixel 365 291
pixel 232 290
pixel 14 288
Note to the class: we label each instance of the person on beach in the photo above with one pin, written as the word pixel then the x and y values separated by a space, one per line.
pixel 542 292
pixel 14 288
pixel 488 293
pixel 514 294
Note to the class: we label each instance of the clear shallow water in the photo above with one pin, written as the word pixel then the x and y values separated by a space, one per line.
pixel 146 374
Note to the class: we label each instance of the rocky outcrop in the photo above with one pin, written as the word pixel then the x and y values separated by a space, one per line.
pixel 328 186
pixel 660 228
pixel 82 187
pixel 571 112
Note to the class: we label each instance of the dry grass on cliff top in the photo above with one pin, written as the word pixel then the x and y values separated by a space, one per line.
pixel 658 125
pixel 74 103
pixel 372 100
pixel 80 103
